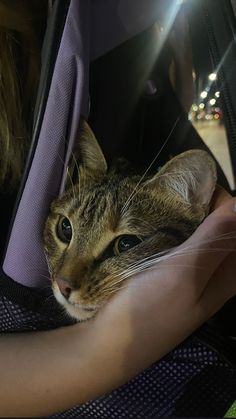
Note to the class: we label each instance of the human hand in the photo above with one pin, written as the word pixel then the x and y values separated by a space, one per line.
pixel 158 308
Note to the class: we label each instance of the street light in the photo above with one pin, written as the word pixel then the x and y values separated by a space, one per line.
pixel 212 76
pixel 212 101
pixel 204 94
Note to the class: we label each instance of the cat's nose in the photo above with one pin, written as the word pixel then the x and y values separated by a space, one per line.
pixel 64 287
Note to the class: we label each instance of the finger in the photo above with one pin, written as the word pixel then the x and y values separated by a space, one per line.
pixel 220 288
pixel 220 196
pixel 214 239
pixel 189 267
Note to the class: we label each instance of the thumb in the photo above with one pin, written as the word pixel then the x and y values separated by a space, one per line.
pixel 211 249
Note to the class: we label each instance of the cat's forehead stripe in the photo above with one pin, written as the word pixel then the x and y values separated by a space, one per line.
pixel 94 208
pixel 94 205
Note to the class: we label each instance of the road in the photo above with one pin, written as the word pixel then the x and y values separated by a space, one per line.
pixel 214 136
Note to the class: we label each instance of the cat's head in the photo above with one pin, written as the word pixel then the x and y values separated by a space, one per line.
pixel 109 226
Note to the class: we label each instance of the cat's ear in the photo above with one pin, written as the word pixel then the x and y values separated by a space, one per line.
pixel 191 176
pixel 90 155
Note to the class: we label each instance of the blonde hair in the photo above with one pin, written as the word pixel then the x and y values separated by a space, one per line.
pixel 22 25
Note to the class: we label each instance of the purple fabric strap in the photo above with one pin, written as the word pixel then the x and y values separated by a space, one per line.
pixel 112 23
pixel 25 261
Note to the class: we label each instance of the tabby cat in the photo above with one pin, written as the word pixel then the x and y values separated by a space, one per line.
pixel 110 225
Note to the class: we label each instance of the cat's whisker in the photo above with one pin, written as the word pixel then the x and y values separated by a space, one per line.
pixel 144 283
pixel 111 286
pixel 68 175
pixel 120 274
pixel 158 256
pixel 178 173
pixel 49 299
pixel 72 185
pixel 48 263
pixel 35 272
pixel 78 175
pixel 136 263
pixel 187 249
pixel 45 277
pixel 190 249
pixel 151 263
pixel 152 260
pixel 120 288
pixel 81 184
pixel 62 316
pixel 136 190
pixel 147 267
pixel 51 195
pixel 166 255
pixel 61 160
pixel 134 193
pixel 75 161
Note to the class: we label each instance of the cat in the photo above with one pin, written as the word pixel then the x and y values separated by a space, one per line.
pixel 110 225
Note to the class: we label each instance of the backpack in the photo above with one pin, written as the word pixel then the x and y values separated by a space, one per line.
pixel 100 60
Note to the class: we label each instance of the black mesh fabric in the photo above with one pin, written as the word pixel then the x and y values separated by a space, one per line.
pixel 26 309
pixel 193 380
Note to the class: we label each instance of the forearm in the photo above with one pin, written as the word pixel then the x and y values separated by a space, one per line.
pixel 35 367
pixel 43 373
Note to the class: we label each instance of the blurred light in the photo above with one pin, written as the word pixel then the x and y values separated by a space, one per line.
pixel 217 94
pixel 199 117
pixel 216 116
pixel 212 102
pixel 208 117
pixel 202 106
pixel 204 94
pixel 212 76
pixel 195 107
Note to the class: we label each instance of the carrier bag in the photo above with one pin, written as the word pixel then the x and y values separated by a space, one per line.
pixel 103 61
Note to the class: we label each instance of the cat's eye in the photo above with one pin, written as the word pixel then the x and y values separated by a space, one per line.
pixel 64 230
pixel 126 242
